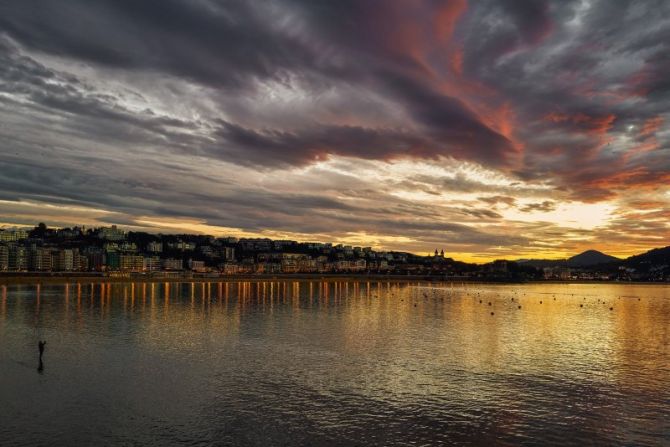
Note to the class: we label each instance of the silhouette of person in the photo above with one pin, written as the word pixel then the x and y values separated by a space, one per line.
pixel 40 346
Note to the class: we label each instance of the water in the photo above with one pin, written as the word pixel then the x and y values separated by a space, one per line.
pixel 345 363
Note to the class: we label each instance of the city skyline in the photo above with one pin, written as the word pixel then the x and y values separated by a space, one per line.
pixel 112 252
pixel 24 230
pixel 526 129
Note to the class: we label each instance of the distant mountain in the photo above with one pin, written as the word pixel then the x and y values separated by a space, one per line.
pixel 585 259
pixel 591 257
pixel 655 262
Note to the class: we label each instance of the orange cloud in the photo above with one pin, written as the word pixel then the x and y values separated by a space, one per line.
pixel 456 59
pixel 447 17
pixel 650 126
pixel 583 123
pixel 648 146
pixel 641 178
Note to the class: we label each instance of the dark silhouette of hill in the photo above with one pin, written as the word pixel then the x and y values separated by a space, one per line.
pixel 591 257
pixel 653 258
pixel 585 259
pixel 657 259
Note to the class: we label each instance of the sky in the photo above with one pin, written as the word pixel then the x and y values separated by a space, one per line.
pixel 490 128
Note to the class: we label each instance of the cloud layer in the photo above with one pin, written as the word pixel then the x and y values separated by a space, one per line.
pixel 489 128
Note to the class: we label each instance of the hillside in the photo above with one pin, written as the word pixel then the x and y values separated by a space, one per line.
pixel 653 258
pixel 591 257
pixel 585 259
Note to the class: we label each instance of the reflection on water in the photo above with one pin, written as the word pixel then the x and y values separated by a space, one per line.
pixel 335 363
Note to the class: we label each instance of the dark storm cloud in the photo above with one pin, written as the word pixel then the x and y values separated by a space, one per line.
pixel 271 146
pixel 225 44
pixel 219 43
pixel 506 27
pixel 235 44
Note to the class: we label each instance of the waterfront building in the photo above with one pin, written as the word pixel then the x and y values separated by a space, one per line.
pixel 64 261
pixel 173 264
pixel 133 263
pixel 229 268
pixel 18 258
pixel 112 260
pixel 359 265
pixel 4 258
pixel 40 259
pixel 152 263
pixel 80 262
pixel 95 260
pixel 289 265
pixel 196 266
pixel 307 265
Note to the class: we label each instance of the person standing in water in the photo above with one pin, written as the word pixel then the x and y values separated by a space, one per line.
pixel 40 346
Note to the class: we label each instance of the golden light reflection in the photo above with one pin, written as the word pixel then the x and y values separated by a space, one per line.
pixel 604 327
pixel 3 301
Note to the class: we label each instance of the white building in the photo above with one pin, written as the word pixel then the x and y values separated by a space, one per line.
pixel 111 233
pixel 172 264
pixel 155 247
pixel 13 234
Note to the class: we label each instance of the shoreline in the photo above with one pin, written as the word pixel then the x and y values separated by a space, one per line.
pixel 36 279
pixel 65 279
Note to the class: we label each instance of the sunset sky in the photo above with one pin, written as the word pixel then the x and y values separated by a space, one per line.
pixel 490 129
